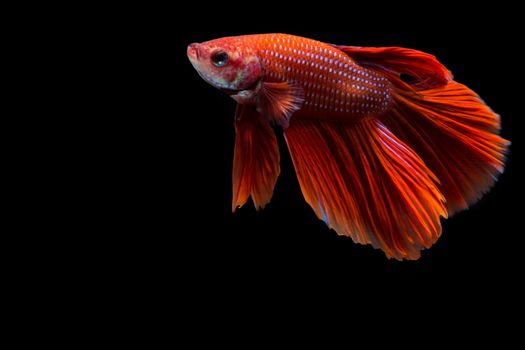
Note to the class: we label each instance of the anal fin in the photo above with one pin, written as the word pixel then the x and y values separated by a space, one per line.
pixel 365 183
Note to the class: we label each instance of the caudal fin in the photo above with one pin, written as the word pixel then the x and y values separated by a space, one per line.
pixel 456 134
pixel 444 122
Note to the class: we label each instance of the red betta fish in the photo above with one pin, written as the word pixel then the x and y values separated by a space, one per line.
pixel 383 140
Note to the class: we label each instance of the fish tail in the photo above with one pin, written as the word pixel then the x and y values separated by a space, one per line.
pixel 457 136
pixel 448 125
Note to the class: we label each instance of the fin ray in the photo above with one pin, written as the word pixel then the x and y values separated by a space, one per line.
pixel 448 125
pixel 256 158
pixel 456 134
pixel 278 101
pixel 365 183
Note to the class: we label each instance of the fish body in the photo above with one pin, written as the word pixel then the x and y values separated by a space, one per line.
pixel 331 81
pixel 379 158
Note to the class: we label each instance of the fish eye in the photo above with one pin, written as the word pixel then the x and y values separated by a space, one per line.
pixel 219 58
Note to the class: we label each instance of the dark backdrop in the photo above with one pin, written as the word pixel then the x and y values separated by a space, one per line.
pixel 183 138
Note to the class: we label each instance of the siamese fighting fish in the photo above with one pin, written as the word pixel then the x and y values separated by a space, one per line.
pixel 384 142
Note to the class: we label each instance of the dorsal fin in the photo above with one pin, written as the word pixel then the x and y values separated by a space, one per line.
pixel 424 68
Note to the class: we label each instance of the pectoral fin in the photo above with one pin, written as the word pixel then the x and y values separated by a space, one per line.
pixel 278 101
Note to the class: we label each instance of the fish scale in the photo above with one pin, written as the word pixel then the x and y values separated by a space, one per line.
pixel 331 80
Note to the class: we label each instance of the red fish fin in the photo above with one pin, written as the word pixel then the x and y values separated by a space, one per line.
pixel 456 134
pixel 446 123
pixel 365 183
pixel 255 160
pixel 424 68
pixel 278 101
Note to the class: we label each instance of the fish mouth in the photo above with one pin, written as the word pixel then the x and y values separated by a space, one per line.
pixel 193 51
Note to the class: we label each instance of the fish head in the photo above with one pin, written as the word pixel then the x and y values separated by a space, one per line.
pixel 226 63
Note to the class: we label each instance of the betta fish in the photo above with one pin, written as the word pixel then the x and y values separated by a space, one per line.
pixel 383 140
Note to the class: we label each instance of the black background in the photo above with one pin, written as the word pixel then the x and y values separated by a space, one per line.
pixel 123 215
pixel 178 150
